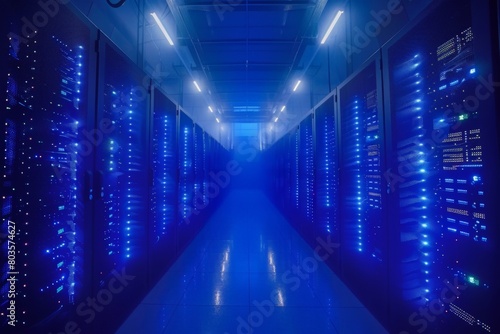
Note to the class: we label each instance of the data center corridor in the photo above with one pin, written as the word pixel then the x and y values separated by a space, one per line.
pixel 243 262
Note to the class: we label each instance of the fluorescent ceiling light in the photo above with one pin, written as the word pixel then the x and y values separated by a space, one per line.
pixel 330 28
pixel 217 120
pixel 162 28
pixel 276 119
pixel 283 108
pixel 197 87
pixel 297 85
pixel 210 108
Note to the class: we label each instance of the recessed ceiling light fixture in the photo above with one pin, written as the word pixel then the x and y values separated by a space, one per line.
pixel 330 28
pixel 162 28
pixel 197 86
pixel 210 108
pixel 297 85
pixel 217 120
pixel 283 108
pixel 276 119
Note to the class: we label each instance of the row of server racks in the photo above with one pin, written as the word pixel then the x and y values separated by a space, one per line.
pixel 399 167
pixel 104 179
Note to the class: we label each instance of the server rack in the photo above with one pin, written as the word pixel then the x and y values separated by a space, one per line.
pixel 284 175
pixel 284 169
pixel 306 175
pixel 164 176
pixel 44 119
pixel 443 159
pixel 121 185
pixel 187 213
pixel 294 146
pixel 164 158
pixel 200 199
pixel 364 240
pixel 326 220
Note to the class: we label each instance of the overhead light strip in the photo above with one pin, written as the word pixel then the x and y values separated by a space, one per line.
pixel 330 28
pixel 283 108
pixel 210 108
pixel 197 87
pixel 162 28
pixel 297 85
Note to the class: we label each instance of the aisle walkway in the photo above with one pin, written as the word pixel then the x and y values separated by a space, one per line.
pixel 240 276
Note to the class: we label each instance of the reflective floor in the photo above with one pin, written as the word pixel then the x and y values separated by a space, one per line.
pixel 248 271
